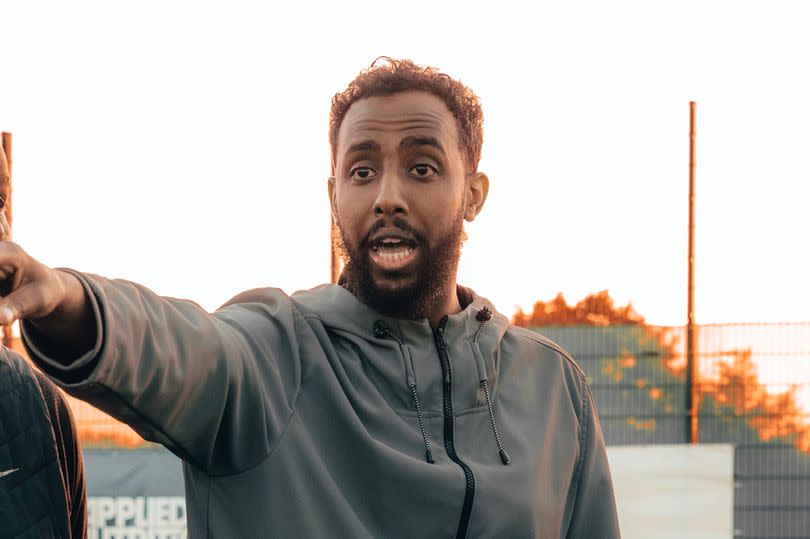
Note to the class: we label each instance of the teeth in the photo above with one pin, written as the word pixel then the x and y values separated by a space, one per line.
pixel 395 255
pixel 389 244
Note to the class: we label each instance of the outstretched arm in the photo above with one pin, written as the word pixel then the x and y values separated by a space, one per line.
pixel 216 389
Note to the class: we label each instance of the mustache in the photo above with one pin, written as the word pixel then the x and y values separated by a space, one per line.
pixel 397 222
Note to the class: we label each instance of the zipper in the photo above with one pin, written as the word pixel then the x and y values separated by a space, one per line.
pixel 447 385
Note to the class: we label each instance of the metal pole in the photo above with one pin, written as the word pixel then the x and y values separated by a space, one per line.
pixel 691 366
pixel 5 140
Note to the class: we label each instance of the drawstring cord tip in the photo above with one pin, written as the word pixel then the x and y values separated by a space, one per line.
pixel 504 456
pixel 429 457
pixel 379 329
pixel 484 315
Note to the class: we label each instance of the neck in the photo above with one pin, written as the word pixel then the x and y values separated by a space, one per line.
pixel 447 304
pixel 443 304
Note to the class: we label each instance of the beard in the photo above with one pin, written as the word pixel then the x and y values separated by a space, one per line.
pixel 435 272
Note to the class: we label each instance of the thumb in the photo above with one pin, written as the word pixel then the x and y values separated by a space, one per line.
pixel 19 304
pixel 7 316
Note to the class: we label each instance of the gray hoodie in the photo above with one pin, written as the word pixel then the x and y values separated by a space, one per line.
pixel 311 415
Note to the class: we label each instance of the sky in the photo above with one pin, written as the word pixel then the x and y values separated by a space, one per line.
pixel 184 145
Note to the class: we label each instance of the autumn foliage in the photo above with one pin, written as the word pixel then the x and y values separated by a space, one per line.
pixel 728 384
pixel 775 415
pixel 594 310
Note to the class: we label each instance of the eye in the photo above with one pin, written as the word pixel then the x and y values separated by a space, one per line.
pixel 362 173
pixel 424 170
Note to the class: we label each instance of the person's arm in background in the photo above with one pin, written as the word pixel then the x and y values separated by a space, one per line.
pixel 70 454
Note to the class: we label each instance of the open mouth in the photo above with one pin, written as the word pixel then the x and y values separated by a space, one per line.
pixel 393 253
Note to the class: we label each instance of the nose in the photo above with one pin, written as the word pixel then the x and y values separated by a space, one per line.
pixel 390 196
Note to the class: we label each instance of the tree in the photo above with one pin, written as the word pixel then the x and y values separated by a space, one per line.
pixel 594 310
pixel 636 372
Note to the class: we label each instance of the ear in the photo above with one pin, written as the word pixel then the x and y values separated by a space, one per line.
pixel 477 191
pixel 332 200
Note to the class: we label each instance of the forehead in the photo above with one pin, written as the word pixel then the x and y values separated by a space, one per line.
pixel 399 115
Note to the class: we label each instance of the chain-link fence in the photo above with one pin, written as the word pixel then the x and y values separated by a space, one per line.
pixel 753 389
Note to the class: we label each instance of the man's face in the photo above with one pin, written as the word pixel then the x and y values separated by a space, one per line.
pixel 5 231
pixel 399 197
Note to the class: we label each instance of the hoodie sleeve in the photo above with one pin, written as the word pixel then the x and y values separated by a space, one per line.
pixel 217 390
pixel 594 513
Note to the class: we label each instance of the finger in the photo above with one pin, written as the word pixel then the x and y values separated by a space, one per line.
pixel 11 257
pixel 7 316
pixel 20 303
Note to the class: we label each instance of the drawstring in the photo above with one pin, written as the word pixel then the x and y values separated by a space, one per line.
pixel 504 456
pixel 428 454
pixel 381 331
pixel 483 316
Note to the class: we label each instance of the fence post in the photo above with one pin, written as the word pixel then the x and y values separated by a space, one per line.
pixel 692 423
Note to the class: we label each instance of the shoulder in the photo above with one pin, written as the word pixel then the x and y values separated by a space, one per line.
pixel 257 307
pixel 547 363
pixel 14 370
pixel 26 391
pixel 267 296
pixel 54 399
pixel 20 382
pixel 544 347
pixel 22 406
pixel 12 360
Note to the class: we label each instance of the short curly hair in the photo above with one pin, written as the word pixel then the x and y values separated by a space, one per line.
pixel 388 76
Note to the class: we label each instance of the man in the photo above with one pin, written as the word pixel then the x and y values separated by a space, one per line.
pixel 397 404
pixel 42 490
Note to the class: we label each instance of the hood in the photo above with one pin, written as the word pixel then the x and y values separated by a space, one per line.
pixel 339 309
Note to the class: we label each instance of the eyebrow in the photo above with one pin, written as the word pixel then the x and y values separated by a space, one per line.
pixel 412 142
pixel 406 144
pixel 364 146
